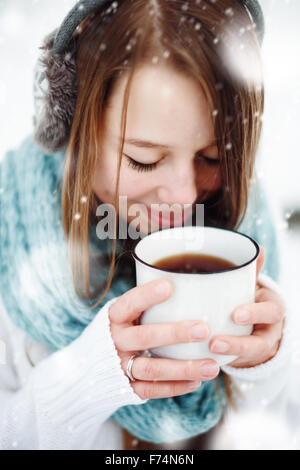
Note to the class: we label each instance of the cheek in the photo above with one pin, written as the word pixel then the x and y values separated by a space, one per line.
pixel 133 184
pixel 104 181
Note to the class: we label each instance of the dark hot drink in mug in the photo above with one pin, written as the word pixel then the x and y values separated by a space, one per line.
pixel 194 263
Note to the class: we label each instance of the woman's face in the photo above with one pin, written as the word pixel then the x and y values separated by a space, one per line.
pixel 170 111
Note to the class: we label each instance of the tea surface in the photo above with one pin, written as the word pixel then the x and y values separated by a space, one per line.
pixel 194 263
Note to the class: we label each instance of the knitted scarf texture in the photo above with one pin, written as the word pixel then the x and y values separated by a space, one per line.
pixel 37 289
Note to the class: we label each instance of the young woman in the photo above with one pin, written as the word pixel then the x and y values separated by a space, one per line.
pixel 137 99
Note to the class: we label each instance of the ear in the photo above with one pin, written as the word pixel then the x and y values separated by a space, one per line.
pixel 55 95
pixel 260 261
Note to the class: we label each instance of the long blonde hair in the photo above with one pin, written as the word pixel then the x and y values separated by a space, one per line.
pixel 112 43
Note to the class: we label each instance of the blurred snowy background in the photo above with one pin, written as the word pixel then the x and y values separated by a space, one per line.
pixel 23 25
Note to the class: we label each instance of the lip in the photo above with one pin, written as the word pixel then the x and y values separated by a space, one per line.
pixel 169 220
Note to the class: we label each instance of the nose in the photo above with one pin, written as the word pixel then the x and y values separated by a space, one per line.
pixel 180 187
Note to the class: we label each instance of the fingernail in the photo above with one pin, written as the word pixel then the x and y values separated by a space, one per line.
pixel 209 370
pixel 220 347
pixel 194 384
pixel 162 289
pixel 242 316
pixel 199 331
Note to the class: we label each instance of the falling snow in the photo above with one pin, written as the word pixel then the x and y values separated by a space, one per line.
pixel 219 86
pixel 21 33
pixel 229 12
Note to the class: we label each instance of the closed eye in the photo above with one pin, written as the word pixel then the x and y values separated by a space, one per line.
pixel 209 161
pixel 140 166
pixel 152 166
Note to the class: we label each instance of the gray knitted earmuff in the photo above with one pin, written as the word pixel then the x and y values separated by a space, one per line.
pixel 55 78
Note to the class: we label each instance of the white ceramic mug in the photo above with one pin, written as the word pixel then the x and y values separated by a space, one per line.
pixel 210 297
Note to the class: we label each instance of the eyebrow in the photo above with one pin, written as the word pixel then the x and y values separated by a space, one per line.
pixel 149 144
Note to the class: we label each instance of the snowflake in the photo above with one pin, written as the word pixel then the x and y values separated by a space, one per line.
pixel 287 215
pixel 264 402
pixel 219 86
pixel 246 386
pixel 229 12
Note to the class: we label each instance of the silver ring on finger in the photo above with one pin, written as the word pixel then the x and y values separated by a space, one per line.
pixel 129 367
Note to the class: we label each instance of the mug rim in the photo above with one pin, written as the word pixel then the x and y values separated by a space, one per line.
pixel 136 257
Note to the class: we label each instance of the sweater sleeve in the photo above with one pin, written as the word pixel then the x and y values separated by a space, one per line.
pixel 265 384
pixel 67 396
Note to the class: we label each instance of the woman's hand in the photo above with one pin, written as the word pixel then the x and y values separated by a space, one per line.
pixel 267 317
pixel 157 378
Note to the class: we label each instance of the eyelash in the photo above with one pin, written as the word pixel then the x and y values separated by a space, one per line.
pixel 152 166
pixel 141 166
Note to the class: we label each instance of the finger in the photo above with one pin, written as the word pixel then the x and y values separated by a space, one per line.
pixel 142 337
pixel 144 368
pixel 247 347
pixel 266 294
pixel 261 312
pixel 270 337
pixel 260 260
pixel 131 304
pixel 149 390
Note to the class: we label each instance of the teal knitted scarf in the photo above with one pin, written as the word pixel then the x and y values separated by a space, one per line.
pixel 37 289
